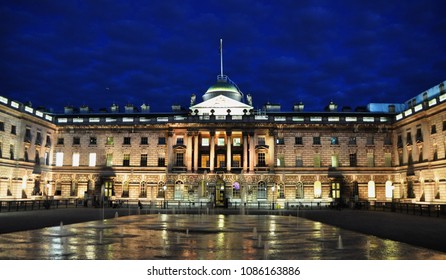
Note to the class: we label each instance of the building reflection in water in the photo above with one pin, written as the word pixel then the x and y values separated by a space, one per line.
pixel 190 237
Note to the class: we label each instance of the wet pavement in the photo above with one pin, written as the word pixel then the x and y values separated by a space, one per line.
pixel 204 237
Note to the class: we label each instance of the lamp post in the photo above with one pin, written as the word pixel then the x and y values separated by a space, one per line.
pixel 273 189
pixel 164 194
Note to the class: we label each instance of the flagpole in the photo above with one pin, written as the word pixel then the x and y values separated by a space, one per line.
pixel 221 57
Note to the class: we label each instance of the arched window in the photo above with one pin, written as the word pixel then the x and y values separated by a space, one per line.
pixel 178 190
pixel 236 190
pixel 143 190
pixel 389 189
pixel 299 190
pixel 161 191
pixel 261 190
pixel 317 189
pixel 371 189
pixel 125 189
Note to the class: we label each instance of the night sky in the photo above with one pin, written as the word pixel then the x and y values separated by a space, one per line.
pixel 95 52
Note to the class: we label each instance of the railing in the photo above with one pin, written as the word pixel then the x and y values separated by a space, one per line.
pixel 27 204
pixel 420 209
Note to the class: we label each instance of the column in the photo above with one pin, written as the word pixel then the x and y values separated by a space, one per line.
pixel 228 151
pixel 271 143
pixel 188 151
pixel 212 155
pixel 170 160
pixel 196 138
pixel 245 151
pixel 251 151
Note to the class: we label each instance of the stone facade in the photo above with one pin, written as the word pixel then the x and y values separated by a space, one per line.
pixel 185 156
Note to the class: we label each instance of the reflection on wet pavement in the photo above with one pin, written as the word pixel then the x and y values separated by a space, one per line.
pixel 204 237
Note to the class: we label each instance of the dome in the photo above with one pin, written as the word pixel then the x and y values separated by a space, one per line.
pixel 225 87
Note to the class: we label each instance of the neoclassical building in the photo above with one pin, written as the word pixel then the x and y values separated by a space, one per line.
pixel 222 150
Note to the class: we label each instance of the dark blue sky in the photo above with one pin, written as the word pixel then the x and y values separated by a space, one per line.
pixel 57 53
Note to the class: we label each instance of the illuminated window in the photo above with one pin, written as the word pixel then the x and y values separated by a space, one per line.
pixel 109 160
pixel 371 189
pixel 221 158
pixel 110 140
pixel 236 190
pixel 261 190
pixel 92 159
pixel 221 141
pixel 236 141
pixel 334 161
pixel 76 157
pixel 205 161
pixel 126 160
pixel 59 159
pixel 317 189
pixel 335 190
pixel 178 193
pixel 280 160
pixel 299 190
pixel 205 142
pixel 334 141
pixel 317 160
pixel 236 160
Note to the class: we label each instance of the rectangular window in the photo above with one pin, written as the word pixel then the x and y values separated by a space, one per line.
pixel 38 138
pixel 13 129
pixel 261 140
pixel 161 140
pixel 144 140
pixel 109 160
pixel 2 126
pixel 444 125
pixel 93 141
pixel 280 160
pixel 334 140
pixel 370 140
pixel 143 161
pixel 126 160
pixel 205 161
pixel 261 159
pixel 179 159
pixel 280 141
pixel 370 160
pixel 334 161
pixel 110 140
pixel 353 160
pixel 205 142
pixel 76 140
pixel 298 141
pixel 127 141
pixel 60 141
pixel 28 135
pixel 220 141
pixel 221 163
pixel 409 138
pixel 433 129
pixel 180 140
pixel 419 136
pixel 236 160
pixel 317 160
pixel 388 139
pixel 76 157
pixel 352 140
pixel 161 161
pixel 59 159
pixel 92 159
pixel 335 190
pixel 387 159
pixel 316 140
pixel 48 141
pixel 261 190
pixel 236 142
pixel 299 161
